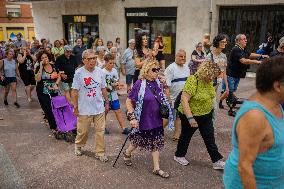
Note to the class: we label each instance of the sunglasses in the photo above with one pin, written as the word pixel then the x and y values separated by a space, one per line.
pixel 91 58
pixel 156 70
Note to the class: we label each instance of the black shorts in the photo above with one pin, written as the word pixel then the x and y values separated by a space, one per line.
pixel 28 77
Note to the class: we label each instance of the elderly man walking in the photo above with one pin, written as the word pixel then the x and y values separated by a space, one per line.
pixel 239 60
pixel 128 64
pixel 176 74
pixel 88 96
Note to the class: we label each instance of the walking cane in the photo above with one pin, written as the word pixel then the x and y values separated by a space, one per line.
pixel 120 151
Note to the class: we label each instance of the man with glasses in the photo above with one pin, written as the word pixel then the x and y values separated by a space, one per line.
pixel 176 74
pixel 66 64
pixel 88 96
pixel 239 60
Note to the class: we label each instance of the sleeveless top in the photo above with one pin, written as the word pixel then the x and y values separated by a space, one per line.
pixel 9 68
pixel 269 166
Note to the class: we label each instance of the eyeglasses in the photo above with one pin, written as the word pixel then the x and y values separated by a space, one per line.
pixel 199 46
pixel 91 58
pixel 223 42
pixel 183 57
pixel 156 70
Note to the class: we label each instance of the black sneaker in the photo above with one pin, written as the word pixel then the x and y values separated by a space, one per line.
pixel 6 102
pixel 232 113
pixel 106 131
pixel 16 104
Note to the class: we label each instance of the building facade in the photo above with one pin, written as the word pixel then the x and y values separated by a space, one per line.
pixel 182 23
pixel 16 18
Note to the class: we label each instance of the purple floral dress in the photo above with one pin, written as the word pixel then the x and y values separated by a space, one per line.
pixel 150 136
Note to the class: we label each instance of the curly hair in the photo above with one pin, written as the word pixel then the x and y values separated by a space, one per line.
pixel 219 38
pixel 147 64
pixel 208 69
pixel 138 41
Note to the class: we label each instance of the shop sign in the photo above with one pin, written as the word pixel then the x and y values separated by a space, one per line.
pixel 136 14
pixel 80 18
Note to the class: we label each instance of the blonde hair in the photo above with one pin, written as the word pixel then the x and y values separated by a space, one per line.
pixel 208 70
pixel 147 64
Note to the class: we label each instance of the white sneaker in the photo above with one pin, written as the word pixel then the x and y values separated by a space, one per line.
pixel 29 99
pixel 181 160
pixel 78 151
pixel 219 165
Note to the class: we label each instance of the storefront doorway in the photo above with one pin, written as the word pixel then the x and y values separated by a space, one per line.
pixel 79 25
pixel 158 21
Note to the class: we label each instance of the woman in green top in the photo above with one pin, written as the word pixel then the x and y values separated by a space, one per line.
pixel 57 50
pixel 195 111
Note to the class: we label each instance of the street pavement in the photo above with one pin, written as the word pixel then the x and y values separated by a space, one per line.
pixel 31 158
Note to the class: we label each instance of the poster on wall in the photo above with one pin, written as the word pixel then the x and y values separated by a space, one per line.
pixel 167 41
pixel 12 34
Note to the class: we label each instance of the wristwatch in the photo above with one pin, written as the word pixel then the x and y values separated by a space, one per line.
pixel 189 117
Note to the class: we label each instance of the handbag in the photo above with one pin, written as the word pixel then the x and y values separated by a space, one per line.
pixel 4 81
pixel 164 110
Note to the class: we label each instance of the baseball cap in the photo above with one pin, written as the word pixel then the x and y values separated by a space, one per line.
pixel 67 48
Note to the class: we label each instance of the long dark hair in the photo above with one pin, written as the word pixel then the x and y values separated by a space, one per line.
pixel 138 41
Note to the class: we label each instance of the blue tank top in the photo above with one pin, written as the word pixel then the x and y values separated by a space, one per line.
pixel 268 166
pixel 9 68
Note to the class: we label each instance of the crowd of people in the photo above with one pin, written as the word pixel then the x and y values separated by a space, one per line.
pixel 182 96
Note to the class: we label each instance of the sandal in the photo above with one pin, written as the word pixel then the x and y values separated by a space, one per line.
pixel 127 159
pixel 102 158
pixel 175 139
pixel 161 173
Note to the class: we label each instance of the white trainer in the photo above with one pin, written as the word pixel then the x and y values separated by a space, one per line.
pixel 219 165
pixel 181 160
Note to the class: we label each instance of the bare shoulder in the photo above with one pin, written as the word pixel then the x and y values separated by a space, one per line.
pixel 252 122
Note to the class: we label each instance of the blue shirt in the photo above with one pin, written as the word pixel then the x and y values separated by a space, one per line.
pixel 268 166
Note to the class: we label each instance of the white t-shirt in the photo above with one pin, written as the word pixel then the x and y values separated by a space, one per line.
pixel 90 85
pixel 176 76
pixel 111 77
pixel 100 63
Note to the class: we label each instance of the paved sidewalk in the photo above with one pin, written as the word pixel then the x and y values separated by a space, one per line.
pixel 40 161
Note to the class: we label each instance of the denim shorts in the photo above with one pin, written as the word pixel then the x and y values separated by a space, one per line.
pixel 233 84
pixel 129 79
pixel 9 80
pixel 114 105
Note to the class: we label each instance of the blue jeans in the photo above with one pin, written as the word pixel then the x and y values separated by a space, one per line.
pixel 129 79
pixel 233 83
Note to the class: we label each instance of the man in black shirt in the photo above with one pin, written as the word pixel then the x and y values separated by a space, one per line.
pixel 238 63
pixel 66 64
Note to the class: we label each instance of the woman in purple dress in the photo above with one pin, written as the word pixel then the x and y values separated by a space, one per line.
pixel 143 106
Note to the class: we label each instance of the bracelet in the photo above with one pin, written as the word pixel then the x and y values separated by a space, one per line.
pixel 189 117
pixel 130 116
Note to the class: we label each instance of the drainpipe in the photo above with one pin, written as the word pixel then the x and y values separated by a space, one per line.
pixel 210 16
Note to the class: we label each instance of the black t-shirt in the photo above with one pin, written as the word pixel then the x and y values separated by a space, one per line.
pixel 68 66
pixel 235 68
pixel 27 65
pixel 46 78
pixel 276 53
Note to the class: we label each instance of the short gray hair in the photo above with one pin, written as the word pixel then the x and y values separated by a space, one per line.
pixel 238 37
pixel 113 49
pixel 87 52
pixel 131 41
pixel 180 51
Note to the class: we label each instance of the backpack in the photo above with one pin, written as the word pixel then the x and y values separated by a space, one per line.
pixel 63 114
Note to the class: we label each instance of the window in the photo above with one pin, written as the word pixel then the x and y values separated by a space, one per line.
pixel 13 10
